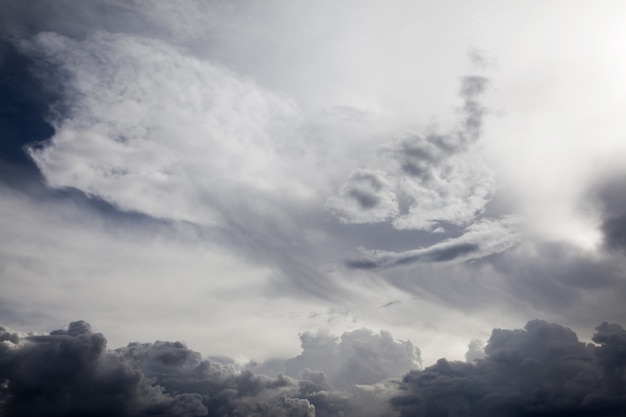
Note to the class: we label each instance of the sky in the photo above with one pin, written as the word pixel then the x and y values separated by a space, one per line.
pixel 395 208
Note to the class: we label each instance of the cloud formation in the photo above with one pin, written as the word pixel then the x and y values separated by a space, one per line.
pixel 272 162
pixel 70 372
pixel 359 357
pixel 481 239
pixel 157 131
pixel 540 370
pixel 367 197
pixel 424 181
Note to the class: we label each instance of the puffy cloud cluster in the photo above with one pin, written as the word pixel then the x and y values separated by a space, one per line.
pixel 428 180
pixel 367 197
pixel 430 183
pixel 356 358
pixel 70 372
pixel 541 370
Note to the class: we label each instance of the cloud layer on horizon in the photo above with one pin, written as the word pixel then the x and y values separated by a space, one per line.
pixel 265 171
pixel 542 369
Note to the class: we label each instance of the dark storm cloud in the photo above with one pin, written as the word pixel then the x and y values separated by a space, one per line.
pixel 614 230
pixel 610 196
pixel 69 372
pixel 542 370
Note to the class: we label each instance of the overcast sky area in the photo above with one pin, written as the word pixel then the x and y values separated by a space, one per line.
pixel 312 208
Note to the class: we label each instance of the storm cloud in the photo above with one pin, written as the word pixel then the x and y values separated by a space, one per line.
pixel 542 369
pixel 70 372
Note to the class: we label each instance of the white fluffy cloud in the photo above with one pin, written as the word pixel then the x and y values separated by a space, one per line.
pixel 160 132
pixel 424 181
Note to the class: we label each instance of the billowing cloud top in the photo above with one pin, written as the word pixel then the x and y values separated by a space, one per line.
pixel 542 369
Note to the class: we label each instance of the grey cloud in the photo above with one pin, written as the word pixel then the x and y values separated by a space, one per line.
pixel 435 253
pixel 241 201
pixel 471 88
pixel 541 370
pixel 479 240
pixel 429 179
pixel 9 336
pixel 610 197
pixel 475 351
pixel 421 156
pixel 357 357
pixel 614 230
pixel 563 281
pixel 390 303
pixel 69 372
pixel 367 197
pixel 73 19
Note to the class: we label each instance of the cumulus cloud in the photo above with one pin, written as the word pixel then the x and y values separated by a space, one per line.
pixel 541 370
pixel 70 372
pixel 357 357
pixel 475 351
pixel 273 141
pixel 429 180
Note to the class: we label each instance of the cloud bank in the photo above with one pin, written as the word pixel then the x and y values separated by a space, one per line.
pixel 291 168
pixel 540 370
